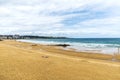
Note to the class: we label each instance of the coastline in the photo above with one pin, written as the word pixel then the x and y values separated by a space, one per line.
pixel 28 61
pixel 89 45
pixel 60 49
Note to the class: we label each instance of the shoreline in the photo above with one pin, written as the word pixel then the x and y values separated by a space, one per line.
pixel 80 47
pixel 69 52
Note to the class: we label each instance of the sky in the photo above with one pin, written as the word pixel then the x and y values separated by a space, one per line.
pixel 69 18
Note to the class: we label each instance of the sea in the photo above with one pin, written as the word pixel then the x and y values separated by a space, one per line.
pixel 95 45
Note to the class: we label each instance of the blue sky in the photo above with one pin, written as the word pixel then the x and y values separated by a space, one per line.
pixel 70 18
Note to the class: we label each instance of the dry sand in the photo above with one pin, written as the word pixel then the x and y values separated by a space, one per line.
pixel 27 61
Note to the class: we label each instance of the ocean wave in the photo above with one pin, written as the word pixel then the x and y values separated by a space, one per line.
pixel 104 48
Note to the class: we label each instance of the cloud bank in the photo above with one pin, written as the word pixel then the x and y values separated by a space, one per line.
pixel 71 18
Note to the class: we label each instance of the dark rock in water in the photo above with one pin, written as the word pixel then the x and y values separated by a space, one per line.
pixel 63 45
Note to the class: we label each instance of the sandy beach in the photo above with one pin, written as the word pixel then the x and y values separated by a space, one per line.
pixel 28 61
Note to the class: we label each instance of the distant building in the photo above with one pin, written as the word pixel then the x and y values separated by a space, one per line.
pixel 9 36
pixel 16 36
pixel 28 37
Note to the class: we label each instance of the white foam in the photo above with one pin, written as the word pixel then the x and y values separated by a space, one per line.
pixel 84 47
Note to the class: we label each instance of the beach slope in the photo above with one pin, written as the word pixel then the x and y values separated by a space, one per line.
pixel 26 63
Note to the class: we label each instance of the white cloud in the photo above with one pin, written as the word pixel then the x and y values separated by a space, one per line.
pixel 47 17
